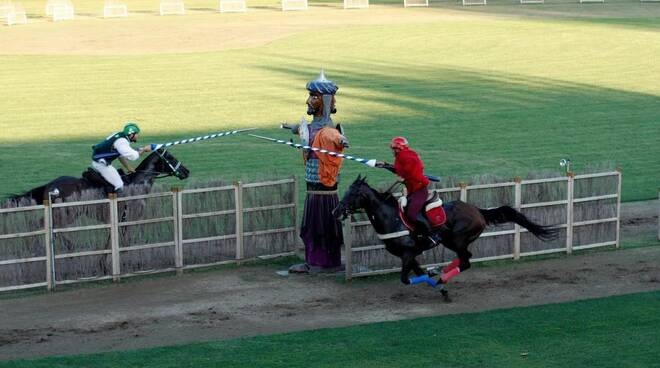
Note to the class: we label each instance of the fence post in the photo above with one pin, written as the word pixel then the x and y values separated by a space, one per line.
pixel 48 228
pixel 348 248
pixel 238 199
pixel 518 205
pixel 463 191
pixel 569 212
pixel 618 208
pixel 296 222
pixel 114 236
pixel 177 211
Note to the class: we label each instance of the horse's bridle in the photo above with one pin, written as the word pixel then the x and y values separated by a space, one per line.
pixel 175 169
pixel 349 210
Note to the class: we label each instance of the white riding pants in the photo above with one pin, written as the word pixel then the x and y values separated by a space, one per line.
pixel 109 173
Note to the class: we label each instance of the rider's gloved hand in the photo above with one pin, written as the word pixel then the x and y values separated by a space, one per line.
pixel 144 149
pixel 386 166
pixel 293 127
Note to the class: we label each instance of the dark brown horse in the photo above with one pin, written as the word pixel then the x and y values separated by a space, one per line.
pixel 464 224
pixel 158 164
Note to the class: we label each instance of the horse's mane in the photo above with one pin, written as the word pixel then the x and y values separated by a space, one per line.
pixel 385 196
pixel 147 160
pixel 153 157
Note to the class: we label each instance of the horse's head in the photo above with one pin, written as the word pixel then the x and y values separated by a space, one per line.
pixel 168 164
pixel 354 199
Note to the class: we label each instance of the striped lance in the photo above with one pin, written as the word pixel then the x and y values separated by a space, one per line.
pixel 368 162
pixel 197 139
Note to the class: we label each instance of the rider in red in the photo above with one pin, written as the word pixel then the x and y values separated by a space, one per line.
pixel 410 168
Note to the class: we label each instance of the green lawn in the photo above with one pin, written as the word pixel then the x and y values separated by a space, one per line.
pixel 477 93
pixel 616 332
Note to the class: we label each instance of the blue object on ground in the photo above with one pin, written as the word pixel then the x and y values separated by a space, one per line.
pixel 422 279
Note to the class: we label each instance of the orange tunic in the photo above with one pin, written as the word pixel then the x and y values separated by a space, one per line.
pixel 330 139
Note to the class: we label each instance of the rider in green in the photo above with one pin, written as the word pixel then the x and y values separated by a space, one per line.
pixel 117 146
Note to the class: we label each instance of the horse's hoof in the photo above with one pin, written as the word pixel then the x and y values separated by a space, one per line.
pixel 445 296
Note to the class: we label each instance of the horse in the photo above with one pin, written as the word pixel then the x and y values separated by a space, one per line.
pixel 158 164
pixel 464 224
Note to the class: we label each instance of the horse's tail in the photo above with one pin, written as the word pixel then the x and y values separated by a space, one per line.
pixel 37 194
pixel 504 214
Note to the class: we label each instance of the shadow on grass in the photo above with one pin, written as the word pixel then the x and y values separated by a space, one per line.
pixel 491 121
pixel 463 122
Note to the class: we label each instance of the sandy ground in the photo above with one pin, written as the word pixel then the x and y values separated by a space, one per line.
pixel 253 300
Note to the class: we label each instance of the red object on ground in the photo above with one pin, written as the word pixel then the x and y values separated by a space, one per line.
pixel 451 266
pixel 449 275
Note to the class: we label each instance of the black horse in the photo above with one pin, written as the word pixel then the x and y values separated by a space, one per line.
pixel 158 164
pixel 464 225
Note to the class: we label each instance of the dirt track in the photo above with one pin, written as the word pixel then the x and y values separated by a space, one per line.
pixel 254 300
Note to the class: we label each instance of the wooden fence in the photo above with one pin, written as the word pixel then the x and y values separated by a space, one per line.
pixel 585 207
pixel 71 242
pixel 182 229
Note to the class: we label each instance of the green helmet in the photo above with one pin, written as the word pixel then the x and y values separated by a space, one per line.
pixel 131 128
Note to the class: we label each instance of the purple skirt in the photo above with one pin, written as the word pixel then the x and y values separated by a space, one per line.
pixel 321 232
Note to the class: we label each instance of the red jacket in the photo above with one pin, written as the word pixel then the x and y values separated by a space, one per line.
pixel 410 167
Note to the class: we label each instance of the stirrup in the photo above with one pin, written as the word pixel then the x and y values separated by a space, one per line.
pixel 434 238
pixel 434 271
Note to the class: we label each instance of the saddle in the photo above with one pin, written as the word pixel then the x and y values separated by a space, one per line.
pixel 433 212
pixel 95 179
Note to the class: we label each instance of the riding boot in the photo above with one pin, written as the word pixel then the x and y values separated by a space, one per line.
pixel 424 230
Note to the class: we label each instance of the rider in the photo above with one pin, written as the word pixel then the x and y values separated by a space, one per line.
pixel 410 168
pixel 117 145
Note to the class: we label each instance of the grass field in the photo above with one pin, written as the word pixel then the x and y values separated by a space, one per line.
pixel 618 331
pixel 504 90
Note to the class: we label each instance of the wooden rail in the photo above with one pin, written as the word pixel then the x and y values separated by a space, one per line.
pixel 354 269
pixel 115 225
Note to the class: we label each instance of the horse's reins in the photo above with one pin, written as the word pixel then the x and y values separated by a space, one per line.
pixel 389 190
pixel 158 176
pixel 174 169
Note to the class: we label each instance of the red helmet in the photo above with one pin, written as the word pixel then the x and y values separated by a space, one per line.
pixel 398 143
